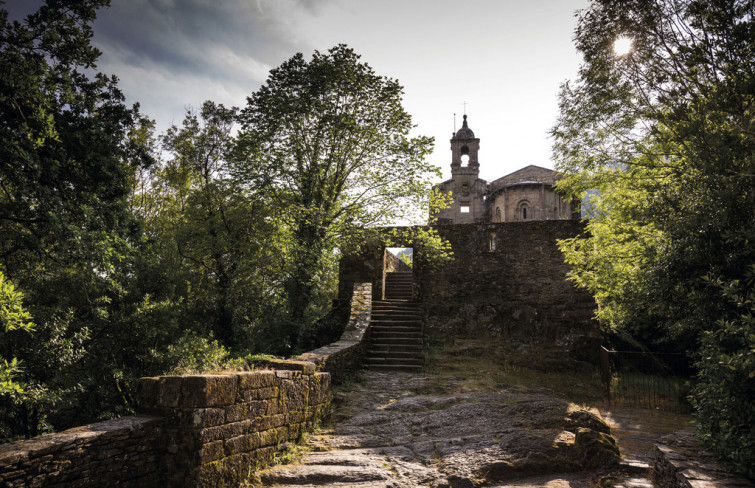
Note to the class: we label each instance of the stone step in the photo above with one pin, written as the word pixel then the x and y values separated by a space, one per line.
pixel 385 361
pixel 408 341
pixel 393 318
pixel 396 354
pixel 396 303
pixel 394 367
pixel 394 328
pixel 408 311
pixel 397 323
pixel 382 347
pixel 396 331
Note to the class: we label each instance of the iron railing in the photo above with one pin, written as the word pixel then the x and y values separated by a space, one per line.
pixel 645 379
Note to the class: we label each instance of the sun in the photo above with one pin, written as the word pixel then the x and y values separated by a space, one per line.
pixel 622 45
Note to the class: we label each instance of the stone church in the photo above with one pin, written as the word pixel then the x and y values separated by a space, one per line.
pixel 524 195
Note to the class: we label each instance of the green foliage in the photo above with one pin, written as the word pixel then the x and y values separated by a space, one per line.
pixel 132 265
pixel 211 248
pixel 327 142
pixel 192 354
pixel 662 139
pixel 67 151
pixel 725 391
pixel 13 316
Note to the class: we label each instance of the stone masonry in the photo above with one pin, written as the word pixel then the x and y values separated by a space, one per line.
pixel 205 431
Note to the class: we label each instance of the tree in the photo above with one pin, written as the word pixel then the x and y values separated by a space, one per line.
pixel 665 136
pixel 326 142
pixel 13 316
pixel 67 155
pixel 210 247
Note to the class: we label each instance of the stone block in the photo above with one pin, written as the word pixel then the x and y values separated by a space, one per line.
pixel 226 473
pixel 245 411
pixel 289 375
pixel 304 367
pixel 243 443
pixel 225 431
pixel 295 417
pixel 209 390
pixel 295 394
pixel 169 392
pixel 259 394
pixel 211 451
pixel 252 380
pixel 268 437
pixel 207 417
pixel 270 422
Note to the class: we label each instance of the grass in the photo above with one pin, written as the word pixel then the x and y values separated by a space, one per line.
pixel 486 364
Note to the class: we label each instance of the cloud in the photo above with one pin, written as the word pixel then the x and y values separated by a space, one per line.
pixel 169 52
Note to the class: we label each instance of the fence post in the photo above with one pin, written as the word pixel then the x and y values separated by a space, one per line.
pixel 605 371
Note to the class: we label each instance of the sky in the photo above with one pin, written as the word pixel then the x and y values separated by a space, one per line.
pixel 500 60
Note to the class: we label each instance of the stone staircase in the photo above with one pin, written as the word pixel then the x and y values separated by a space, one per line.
pixel 399 285
pixel 395 342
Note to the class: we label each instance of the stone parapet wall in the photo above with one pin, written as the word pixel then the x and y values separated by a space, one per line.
pixel 209 430
pixel 218 427
pixel 680 462
pixel 344 357
pixel 125 452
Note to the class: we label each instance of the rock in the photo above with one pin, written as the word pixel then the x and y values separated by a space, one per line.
pixel 596 449
pixel 388 435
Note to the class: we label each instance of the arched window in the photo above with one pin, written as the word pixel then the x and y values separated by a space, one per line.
pixel 498 214
pixel 464 156
pixel 523 211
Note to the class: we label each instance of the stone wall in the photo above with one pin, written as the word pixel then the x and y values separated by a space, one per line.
pixel 209 430
pixel 508 279
pixel 125 452
pixel 680 462
pixel 343 358
pixel 218 427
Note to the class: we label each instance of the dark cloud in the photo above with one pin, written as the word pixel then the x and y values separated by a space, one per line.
pixel 170 53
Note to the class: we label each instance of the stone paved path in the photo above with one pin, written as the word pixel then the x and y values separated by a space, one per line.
pixel 637 431
pixel 390 430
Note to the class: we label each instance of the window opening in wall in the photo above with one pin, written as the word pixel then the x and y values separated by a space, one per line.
pixel 464 155
pixel 491 242
pixel 524 213
pixel 498 214
pixel 464 208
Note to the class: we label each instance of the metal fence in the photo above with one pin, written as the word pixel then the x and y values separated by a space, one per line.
pixel 647 380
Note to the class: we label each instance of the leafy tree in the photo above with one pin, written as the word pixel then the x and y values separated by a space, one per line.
pixel 67 153
pixel 210 248
pixel 327 143
pixel 13 316
pixel 665 134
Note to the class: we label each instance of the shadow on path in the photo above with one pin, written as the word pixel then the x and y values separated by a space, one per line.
pixel 386 431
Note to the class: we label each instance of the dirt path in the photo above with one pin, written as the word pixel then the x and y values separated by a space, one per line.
pixel 393 430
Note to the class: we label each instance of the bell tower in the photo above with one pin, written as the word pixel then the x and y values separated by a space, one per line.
pixel 464 149
pixel 466 188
